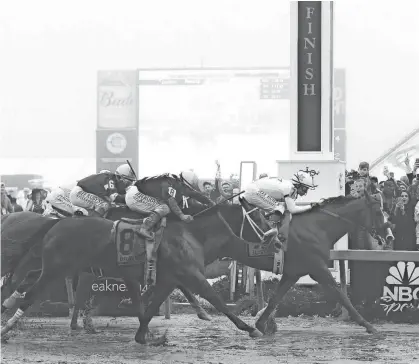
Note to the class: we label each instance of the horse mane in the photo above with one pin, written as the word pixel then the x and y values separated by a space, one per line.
pixel 338 200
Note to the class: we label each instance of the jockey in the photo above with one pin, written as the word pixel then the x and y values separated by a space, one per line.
pixel 97 191
pixel 158 196
pixel 275 196
pixel 58 201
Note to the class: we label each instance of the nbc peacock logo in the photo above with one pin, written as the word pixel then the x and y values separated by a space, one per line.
pixel 402 287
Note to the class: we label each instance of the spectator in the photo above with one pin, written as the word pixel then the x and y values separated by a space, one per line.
pixel 404 223
pixel 16 207
pixel 389 191
pixel 23 200
pixel 224 190
pixel 207 188
pixel 36 204
pixel 6 205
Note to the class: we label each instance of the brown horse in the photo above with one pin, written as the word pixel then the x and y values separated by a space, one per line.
pixel 312 236
pixel 76 243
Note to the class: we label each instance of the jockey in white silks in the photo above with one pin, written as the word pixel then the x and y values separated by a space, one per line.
pixel 58 201
pixel 276 197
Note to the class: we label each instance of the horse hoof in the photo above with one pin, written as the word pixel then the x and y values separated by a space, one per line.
pixel 204 316
pixel 255 333
pixel 140 339
pixel 372 330
pixel 75 327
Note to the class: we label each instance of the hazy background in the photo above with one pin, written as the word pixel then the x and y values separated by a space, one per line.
pixel 50 52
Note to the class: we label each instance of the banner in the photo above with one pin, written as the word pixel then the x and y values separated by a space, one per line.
pixel 115 146
pixel 117 99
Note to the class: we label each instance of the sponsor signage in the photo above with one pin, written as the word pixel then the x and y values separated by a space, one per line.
pixel 115 146
pixel 117 99
pixel 401 290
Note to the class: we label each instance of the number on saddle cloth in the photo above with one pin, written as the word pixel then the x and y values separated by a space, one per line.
pixel 130 246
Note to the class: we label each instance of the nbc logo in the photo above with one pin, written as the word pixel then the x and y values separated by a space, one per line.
pixel 402 287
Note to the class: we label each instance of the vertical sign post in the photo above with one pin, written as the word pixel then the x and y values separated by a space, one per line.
pixel 311 80
pixel 339 112
pixel 117 119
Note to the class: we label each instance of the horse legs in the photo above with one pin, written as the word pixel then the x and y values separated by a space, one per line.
pixel 324 277
pixel 161 290
pixel 84 302
pixel 29 297
pixel 29 280
pixel 284 285
pixel 196 281
pixel 202 314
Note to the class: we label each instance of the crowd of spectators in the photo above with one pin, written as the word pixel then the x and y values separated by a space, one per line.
pixel 399 199
pixel 31 200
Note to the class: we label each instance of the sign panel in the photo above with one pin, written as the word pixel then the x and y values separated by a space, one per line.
pixel 309 76
pixel 117 99
pixel 274 88
pixel 401 290
pixel 339 114
pixel 115 146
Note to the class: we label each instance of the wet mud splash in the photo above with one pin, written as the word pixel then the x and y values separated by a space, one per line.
pixel 190 340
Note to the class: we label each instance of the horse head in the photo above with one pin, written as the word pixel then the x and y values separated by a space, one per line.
pixel 363 213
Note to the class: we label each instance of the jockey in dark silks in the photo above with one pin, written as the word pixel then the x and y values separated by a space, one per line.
pixel 158 196
pixel 97 191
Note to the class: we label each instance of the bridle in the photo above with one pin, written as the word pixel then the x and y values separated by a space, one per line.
pixel 372 230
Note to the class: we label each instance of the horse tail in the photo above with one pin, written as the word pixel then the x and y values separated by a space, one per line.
pixel 14 250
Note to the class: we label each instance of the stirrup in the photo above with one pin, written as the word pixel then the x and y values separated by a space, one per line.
pixel 149 235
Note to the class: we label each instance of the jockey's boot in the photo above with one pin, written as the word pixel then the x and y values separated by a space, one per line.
pixel 148 224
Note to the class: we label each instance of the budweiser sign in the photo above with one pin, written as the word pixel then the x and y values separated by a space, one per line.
pixel 117 99
pixel 108 98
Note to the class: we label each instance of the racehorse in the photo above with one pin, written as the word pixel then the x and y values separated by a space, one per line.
pixel 311 237
pixel 21 245
pixel 76 243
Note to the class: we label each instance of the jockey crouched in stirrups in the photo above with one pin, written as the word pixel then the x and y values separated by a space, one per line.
pixel 276 197
pixel 158 196
pixel 96 192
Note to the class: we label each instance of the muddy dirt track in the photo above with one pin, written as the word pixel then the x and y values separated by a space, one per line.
pixel 190 340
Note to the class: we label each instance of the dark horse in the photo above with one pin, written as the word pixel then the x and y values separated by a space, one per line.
pixel 188 248
pixel 21 255
pixel 72 244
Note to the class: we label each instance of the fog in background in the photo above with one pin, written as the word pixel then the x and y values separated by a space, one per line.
pixel 51 51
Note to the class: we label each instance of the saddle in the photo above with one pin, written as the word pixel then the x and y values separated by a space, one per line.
pixel 135 249
pixel 265 248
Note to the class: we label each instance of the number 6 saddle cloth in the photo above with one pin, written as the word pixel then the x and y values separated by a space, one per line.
pixel 134 249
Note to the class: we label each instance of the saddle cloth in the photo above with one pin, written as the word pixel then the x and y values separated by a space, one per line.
pixel 130 245
pixel 134 249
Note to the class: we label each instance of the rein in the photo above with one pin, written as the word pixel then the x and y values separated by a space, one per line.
pixel 254 226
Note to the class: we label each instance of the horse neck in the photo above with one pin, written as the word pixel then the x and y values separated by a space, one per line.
pixel 335 227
